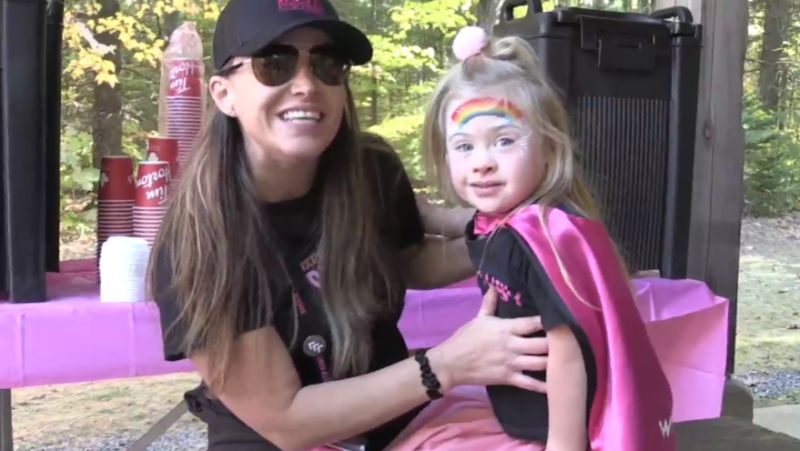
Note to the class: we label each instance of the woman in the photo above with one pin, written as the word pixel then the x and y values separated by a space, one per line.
pixel 280 208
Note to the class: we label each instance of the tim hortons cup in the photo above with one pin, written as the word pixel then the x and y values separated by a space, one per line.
pixel 184 123
pixel 164 149
pixel 185 78
pixel 115 215
pixel 184 103
pixel 114 163
pixel 148 216
pixel 151 184
pixel 116 179
pixel 185 112
pixel 181 101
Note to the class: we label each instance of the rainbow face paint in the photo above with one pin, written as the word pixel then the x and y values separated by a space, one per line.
pixel 485 106
pixel 488 140
pixel 485 123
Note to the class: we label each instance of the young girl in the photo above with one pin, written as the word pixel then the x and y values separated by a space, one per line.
pixel 496 134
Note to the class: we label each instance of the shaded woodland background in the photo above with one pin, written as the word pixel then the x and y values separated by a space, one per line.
pixel 112 50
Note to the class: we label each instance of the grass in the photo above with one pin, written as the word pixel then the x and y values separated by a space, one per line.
pixel 768 339
pixel 69 415
pixel 768 329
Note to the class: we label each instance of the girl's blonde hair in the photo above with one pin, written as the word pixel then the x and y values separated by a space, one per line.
pixel 508 70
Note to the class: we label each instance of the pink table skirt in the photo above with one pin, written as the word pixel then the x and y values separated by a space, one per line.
pixel 76 338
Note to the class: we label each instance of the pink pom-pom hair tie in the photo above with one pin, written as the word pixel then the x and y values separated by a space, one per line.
pixel 470 41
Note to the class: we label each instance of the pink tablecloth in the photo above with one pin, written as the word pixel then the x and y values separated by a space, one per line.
pixel 76 338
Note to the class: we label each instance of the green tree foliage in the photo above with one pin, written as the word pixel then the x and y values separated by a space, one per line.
pixel 412 40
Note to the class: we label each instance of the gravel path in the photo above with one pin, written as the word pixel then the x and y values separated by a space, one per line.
pixel 184 436
pixel 773 384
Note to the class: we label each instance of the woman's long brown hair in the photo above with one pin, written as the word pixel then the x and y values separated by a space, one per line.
pixel 223 254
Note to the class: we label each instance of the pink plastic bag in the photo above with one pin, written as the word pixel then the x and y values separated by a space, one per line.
pixel 688 326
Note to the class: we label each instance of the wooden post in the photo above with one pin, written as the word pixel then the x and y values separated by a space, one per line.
pixel 718 193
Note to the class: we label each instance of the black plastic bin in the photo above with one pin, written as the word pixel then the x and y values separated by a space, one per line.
pixel 22 163
pixel 54 32
pixel 630 83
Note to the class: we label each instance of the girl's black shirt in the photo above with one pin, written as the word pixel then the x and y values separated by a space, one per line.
pixel 296 224
pixel 524 289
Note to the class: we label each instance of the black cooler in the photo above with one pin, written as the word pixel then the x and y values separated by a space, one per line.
pixel 29 146
pixel 630 83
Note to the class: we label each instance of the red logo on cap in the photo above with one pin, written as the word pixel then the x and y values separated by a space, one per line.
pixel 312 6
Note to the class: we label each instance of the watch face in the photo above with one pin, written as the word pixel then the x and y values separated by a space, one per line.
pixel 314 346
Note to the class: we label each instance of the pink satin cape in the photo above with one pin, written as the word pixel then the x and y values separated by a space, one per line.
pixel 632 407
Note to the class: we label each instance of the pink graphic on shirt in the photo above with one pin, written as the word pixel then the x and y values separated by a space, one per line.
pixel 311 6
pixel 313 278
pixel 503 291
pixel 298 301
pixel 309 267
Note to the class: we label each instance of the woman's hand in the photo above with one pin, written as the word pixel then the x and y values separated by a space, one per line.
pixel 491 351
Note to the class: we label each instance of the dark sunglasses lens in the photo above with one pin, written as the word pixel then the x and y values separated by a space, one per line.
pixel 276 67
pixel 329 66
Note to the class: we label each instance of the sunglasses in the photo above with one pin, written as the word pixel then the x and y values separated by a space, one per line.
pixel 276 65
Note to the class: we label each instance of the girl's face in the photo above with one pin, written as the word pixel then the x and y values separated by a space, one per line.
pixel 492 163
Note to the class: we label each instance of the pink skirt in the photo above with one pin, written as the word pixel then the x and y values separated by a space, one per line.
pixel 462 420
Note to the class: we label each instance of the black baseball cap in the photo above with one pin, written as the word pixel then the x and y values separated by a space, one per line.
pixel 246 26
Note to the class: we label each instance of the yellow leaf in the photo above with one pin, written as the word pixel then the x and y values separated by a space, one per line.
pixel 105 77
pixel 108 66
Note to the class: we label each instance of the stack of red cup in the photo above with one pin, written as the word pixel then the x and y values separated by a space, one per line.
pixel 164 149
pixel 184 104
pixel 115 199
pixel 152 182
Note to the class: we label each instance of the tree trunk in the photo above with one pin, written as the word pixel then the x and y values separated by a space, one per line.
pixel 775 25
pixel 374 96
pixel 107 111
pixel 171 22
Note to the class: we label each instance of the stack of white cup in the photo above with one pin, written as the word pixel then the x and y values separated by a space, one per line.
pixel 123 269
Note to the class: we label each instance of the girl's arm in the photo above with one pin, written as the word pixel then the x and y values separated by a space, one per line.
pixel 566 392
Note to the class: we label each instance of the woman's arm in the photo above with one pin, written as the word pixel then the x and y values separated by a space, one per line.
pixel 436 263
pixel 427 261
pixel 441 221
pixel 442 258
pixel 566 392
pixel 264 391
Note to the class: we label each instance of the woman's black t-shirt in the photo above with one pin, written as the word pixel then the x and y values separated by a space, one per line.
pixel 296 224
